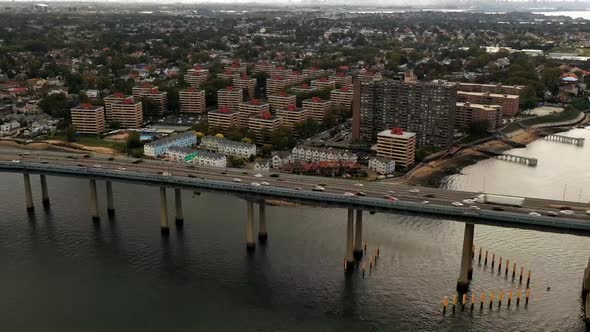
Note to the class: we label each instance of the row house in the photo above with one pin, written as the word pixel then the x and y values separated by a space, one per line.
pixel 311 154
pixel 227 147
pixel 158 148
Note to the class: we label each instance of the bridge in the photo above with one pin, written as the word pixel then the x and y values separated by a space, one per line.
pixel 578 141
pixel 355 196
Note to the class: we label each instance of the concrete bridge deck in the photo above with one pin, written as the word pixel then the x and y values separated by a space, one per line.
pixel 298 188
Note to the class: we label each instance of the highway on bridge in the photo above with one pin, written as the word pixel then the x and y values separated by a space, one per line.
pixel 372 196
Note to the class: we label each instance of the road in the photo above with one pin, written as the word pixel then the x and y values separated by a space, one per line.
pixel 335 186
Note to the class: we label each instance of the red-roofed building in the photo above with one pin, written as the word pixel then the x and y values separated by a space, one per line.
pixel 342 79
pixel 316 108
pixel 124 110
pixel 196 76
pixel 230 97
pixel 192 100
pixel 323 83
pixel 292 115
pixel 247 84
pixel 264 126
pixel 252 108
pixel 88 119
pixel 281 100
pixel 223 118
pixel 341 99
pixel 275 84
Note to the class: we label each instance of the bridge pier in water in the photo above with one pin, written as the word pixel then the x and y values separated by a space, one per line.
pixel 349 257
pixel 110 200
pixel 44 191
pixel 94 202
pixel 250 244
pixel 164 228
pixel 28 192
pixel 179 220
pixel 262 234
pixel 466 271
pixel 357 253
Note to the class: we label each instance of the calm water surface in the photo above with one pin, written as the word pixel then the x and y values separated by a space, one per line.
pixel 61 273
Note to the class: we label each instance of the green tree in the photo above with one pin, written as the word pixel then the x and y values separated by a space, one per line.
pixel 307 128
pixel 70 133
pixel 550 78
pixel 133 140
pixel 55 105
pixel 283 139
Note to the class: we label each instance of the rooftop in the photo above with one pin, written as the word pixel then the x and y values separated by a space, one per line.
pixel 396 133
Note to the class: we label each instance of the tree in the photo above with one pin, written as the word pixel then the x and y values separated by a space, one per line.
pixel 307 128
pixel 266 150
pixel 115 125
pixel 133 140
pixel 330 120
pixel 283 139
pixel 550 78
pixel 235 162
pixel 479 127
pixel 70 132
pixel 55 105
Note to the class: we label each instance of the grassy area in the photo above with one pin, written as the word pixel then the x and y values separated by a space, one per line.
pixel 579 51
pixel 92 141
pixel 512 127
pixel 474 137
pixel 559 117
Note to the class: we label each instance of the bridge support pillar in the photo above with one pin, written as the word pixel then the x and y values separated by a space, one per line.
pixel 179 220
pixel 250 244
pixel 466 259
pixel 110 200
pixel 28 192
pixel 164 228
pixel 349 258
pixel 262 234
pixel 94 202
pixel 357 253
pixel 44 191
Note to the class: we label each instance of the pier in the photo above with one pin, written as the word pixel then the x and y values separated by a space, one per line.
pixel 532 162
pixel 578 141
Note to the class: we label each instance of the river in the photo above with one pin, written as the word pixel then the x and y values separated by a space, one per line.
pixel 62 273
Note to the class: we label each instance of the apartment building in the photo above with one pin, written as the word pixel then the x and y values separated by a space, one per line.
pixel 196 157
pixel 468 114
pixel 230 97
pixel 292 115
pixel 341 99
pixel 223 118
pixel 281 100
pixel 303 88
pixel 313 154
pixel 424 108
pixel 263 66
pixel 341 79
pixel 158 148
pixel 312 72
pixel 509 103
pixel 88 119
pixel 128 112
pixel 264 126
pixel 397 145
pixel 492 88
pixel 251 108
pixel 247 84
pixel 192 100
pixel 227 147
pixel 323 83
pixel 154 101
pixel 196 76
pixel 316 108
pixel 275 84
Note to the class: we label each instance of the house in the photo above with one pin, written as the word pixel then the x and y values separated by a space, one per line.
pixel 262 165
pixel 227 147
pixel 8 127
pixel 158 148
pixel 382 165
pixel 312 154
pixel 196 157
pixel 280 159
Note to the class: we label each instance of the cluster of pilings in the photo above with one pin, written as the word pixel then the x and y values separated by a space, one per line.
pixel 532 162
pixel 578 141
pixel 485 300
pixel 500 262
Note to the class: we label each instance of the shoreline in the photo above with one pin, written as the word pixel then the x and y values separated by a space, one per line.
pixel 432 173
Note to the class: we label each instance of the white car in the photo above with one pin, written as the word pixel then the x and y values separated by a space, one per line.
pixel 257 175
pixel 16 161
pixel 457 204
pixel 391 192
pixel 567 212
pixel 265 183
pixel 298 188
pixel 534 214
pixel 97 165
pixel 348 194
pixel 236 180
pixel 121 168
pixel 468 201
pixel 415 190
pixel 474 207
pixel 425 202
pixel 588 212
pixel 359 185
pixel 381 177
pixel 255 184
pixel 318 188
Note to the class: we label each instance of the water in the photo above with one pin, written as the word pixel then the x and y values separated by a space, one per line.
pixel 61 273
pixel 570 13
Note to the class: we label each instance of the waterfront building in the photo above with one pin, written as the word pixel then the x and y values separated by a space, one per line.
pixel 281 100
pixel 223 118
pixel 158 148
pixel 425 108
pixel 468 114
pixel 492 88
pixel 262 165
pixel 316 108
pixel 227 147
pixel 509 103
pixel 88 119
pixel 313 154
pixel 192 100
pixel 279 159
pixel 230 97
pixel 383 166
pixel 196 157
pixel 397 145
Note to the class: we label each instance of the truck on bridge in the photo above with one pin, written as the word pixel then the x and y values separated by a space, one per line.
pixel 501 199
